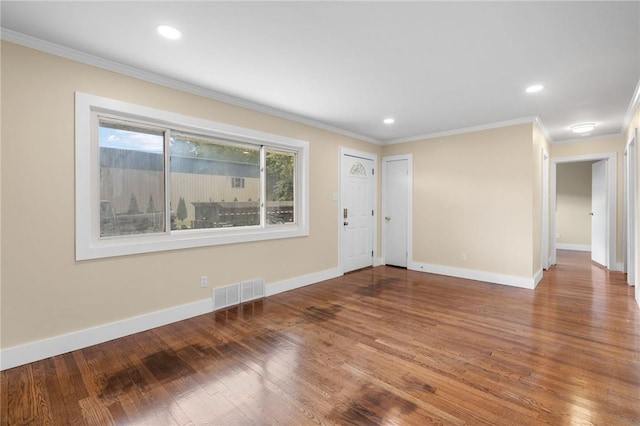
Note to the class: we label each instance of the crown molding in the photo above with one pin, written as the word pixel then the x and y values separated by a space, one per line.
pixel 151 77
pixel 141 74
pixel 537 121
pixel 589 139
pixel 633 107
pixel 471 129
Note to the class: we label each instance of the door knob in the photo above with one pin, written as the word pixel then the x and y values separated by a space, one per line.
pixel 591 214
pixel 345 223
pixel 387 218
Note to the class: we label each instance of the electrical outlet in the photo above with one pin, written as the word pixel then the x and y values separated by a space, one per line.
pixel 204 281
pixel 463 257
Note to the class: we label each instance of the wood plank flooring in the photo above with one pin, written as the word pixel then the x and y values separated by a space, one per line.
pixel 379 346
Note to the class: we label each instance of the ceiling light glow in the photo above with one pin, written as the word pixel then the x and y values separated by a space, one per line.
pixel 167 31
pixel 389 120
pixel 583 127
pixel 535 88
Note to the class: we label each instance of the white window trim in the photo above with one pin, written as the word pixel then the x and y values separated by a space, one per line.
pixel 89 245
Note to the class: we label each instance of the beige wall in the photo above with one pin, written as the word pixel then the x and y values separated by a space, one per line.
pixel 473 194
pixel 573 203
pixel 45 292
pixel 612 144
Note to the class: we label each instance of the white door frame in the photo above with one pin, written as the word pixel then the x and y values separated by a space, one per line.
pixel 625 214
pixel 544 249
pixel 612 177
pixel 630 231
pixel 374 194
pixel 409 218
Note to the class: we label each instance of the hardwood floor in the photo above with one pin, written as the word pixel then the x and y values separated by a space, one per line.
pixel 379 346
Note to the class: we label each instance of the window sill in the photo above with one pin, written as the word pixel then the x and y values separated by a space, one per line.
pixel 181 239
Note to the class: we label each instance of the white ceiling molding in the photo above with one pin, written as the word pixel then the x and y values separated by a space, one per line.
pixel 633 107
pixel 96 61
pixel 472 129
pixel 433 66
pixel 589 139
pixel 543 129
pixel 88 59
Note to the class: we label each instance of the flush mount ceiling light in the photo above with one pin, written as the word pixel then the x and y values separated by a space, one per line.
pixel 167 31
pixel 535 88
pixel 583 127
pixel 389 120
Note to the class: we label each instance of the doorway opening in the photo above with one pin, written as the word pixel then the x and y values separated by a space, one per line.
pixel 603 186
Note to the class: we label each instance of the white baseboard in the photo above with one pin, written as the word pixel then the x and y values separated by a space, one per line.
pixel 537 278
pixel 574 247
pixel 618 267
pixel 41 349
pixel 550 262
pixel 470 274
pixel 378 261
pixel 304 280
pixel 57 345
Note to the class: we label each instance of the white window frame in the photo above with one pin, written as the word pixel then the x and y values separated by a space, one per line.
pixel 89 244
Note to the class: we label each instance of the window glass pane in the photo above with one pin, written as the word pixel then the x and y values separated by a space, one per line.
pixel 131 180
pixel 280 187
pixel 214 184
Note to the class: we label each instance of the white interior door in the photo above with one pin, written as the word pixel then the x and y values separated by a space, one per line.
pixel 395 211
pixel 599 212
pixel 357 212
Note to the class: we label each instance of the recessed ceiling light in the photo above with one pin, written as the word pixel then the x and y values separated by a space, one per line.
pixel 535 88
pixel 389 120
pixel 583 127
pixel 167 31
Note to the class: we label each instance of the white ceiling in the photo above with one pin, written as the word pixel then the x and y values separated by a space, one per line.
pixel 435 66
